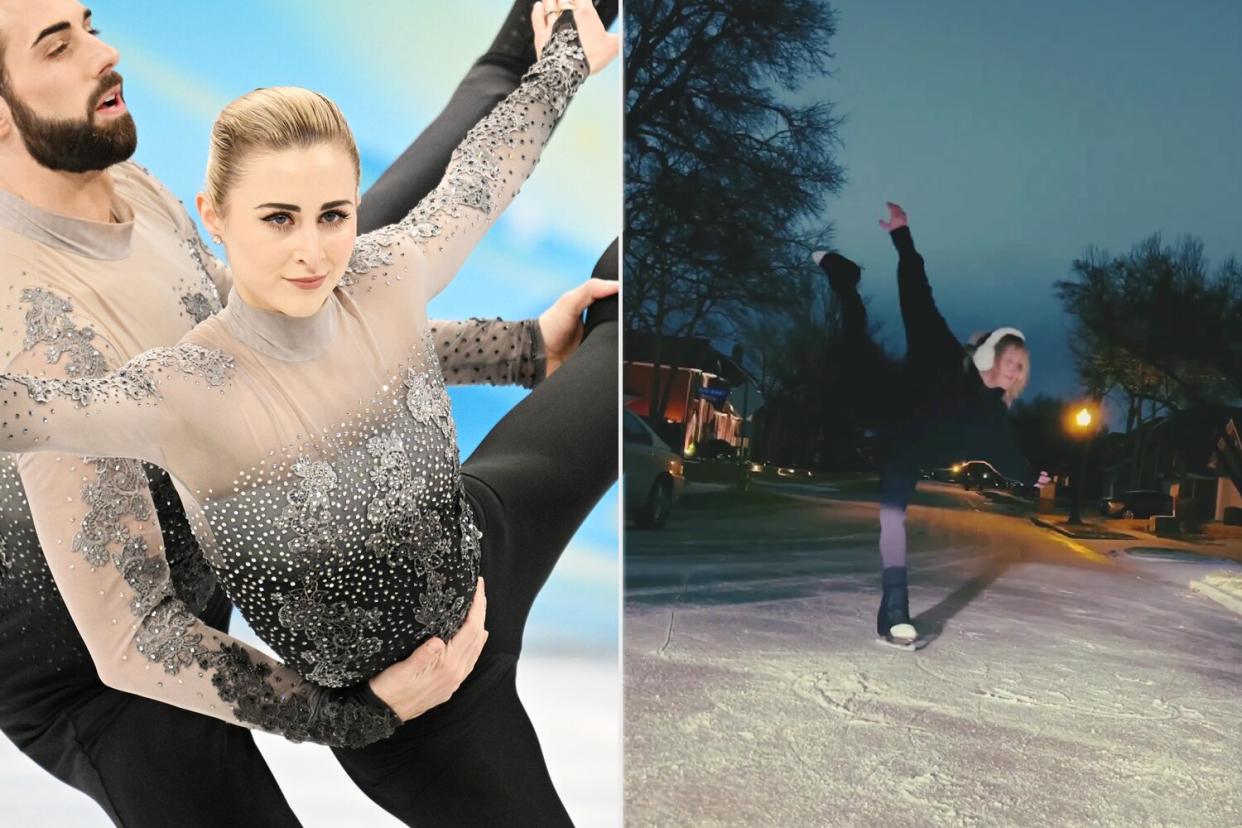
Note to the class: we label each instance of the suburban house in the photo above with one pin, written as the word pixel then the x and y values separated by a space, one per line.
pixel 1195 455
pixel 707 396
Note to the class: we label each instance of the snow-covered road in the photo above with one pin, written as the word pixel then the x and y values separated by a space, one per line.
pixel 1062 686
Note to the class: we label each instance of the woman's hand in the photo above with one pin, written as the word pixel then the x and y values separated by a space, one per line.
pixel 561 324
pixel 896 217
pixel 432 674
pixel 599 46
pixel 1044 480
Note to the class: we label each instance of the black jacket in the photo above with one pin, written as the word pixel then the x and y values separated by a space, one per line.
pixel 950 416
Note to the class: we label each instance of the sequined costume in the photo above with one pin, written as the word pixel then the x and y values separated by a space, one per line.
pixel 114 290
pixel 534 478
pixel 316 459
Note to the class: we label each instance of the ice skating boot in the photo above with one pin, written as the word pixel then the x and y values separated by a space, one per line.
pixel 893 622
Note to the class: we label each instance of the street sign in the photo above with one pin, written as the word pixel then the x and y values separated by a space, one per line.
pixel 716 396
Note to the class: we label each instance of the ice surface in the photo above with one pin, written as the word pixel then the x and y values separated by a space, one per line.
pixel 1061 686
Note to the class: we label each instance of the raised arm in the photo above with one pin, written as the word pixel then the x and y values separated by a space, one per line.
pixel 429 245
pixel 927 332
pixel 496 73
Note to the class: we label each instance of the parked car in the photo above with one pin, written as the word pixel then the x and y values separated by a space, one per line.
pixel 653 478
pixel 979 475
pixel 1023 489
pixel 1137 504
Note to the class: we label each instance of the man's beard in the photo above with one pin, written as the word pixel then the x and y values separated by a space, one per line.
pixel 75 146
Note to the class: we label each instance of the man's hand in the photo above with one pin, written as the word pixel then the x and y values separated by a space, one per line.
pixel 433 672
pixel 561 324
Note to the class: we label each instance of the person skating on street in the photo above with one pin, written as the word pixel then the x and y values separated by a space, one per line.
pixel 947 402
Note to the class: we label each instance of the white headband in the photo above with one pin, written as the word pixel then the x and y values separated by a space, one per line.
pixel 985 350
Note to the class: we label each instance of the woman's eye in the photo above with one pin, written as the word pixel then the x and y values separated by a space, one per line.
pixel 334 217
pixel 281 220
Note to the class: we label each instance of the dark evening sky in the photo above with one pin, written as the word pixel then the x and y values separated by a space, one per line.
pixel 1015 134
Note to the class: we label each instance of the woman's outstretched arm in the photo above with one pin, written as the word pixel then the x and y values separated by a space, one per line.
pixel 489 80
pixel 429 245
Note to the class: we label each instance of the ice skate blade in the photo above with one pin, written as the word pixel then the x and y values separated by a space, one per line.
pixel 902 644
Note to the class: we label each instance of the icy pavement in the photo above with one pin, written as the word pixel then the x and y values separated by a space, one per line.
pixel 1063 686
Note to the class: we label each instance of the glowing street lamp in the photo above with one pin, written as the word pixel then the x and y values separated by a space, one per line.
pixel 1082 424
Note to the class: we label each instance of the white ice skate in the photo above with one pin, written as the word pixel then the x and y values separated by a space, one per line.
pixel 903 637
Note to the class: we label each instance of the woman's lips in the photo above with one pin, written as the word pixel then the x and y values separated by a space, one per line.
pixel 307 284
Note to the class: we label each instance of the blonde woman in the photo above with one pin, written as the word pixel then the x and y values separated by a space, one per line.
pixel 949 402
pixel 312 443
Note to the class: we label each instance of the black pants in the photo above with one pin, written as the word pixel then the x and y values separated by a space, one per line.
pixel 145 763
pixel 475 761
pixel 150 764
pixel 878 389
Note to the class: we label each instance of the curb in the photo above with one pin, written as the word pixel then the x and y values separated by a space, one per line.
pixel 1060 529
pixel 1218 595
pixel 1045 524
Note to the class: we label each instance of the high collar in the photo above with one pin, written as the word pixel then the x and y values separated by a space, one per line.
pixel 104 240
pixel 287 338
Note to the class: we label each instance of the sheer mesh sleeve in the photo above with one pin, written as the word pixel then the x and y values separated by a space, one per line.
pixel 429 245
pixel 98 528
pixel 492 351
pixel 75 407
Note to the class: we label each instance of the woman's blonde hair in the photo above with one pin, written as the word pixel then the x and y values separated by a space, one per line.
pixel 1004 344
pixel 268 120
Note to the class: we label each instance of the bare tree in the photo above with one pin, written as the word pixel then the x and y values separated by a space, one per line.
pixel 1157 329
pixel 724 169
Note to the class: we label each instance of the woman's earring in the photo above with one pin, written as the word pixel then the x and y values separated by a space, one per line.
pixel 216 238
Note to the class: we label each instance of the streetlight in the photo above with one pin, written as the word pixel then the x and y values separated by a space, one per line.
pixel 1082 426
